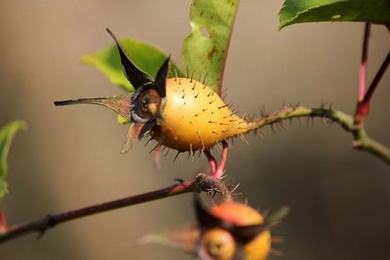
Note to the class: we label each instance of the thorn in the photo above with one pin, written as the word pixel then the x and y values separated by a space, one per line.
pixel 220 107
pixel 272 127
pixel 177 155
pixel 148 141
pixel 156 153
pixel 243 138
pixel 235 187
pixel 200 153
pixel 324 121
pixel 192 152
pixel 166 154
pixel 155 147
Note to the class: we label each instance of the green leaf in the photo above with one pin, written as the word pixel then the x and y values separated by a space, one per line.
pixel 147 57
pixel 7 133
pixel 303 11
pixel 205 49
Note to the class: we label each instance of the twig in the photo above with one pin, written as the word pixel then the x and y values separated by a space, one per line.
pixel 363 106
pixel 201 182
pixel 361 141
pixel 204 182
pixel 364 98
pixel 363 63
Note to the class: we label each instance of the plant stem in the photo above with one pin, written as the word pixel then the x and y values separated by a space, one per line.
pixel 377 79
pixel 201 182
pixel 363 63
pixel 364 97
pixel 204 182
pixel 361 141
pixel 363 107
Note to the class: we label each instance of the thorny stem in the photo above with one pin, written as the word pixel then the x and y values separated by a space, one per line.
pixel 361 141
pixel 201 182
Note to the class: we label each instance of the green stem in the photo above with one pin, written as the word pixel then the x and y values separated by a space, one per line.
pixel 361 141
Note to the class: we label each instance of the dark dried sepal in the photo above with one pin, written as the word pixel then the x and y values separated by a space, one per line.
pixel 137 77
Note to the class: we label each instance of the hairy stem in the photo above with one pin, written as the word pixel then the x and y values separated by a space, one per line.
pixel 202 182
pixel 361 141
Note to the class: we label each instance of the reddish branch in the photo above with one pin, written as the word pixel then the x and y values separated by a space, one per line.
pixel 363 106
pixel 363 63
pixel 364 97
pixel 202 182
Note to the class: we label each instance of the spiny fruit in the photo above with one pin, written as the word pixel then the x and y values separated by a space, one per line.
pixel 232 230
pixel 179 113
pixel 195 117
pixel 226 231
pixel 229 230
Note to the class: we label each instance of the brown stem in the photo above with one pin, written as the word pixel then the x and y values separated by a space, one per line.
pixel 201 182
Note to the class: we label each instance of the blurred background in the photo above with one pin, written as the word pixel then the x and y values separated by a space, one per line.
pixel 70 156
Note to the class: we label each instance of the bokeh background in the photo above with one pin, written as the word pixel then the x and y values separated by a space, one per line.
pixel 69 156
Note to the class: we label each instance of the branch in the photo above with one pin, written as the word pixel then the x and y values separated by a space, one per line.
pixel 363 106
pixel 361 141
pixel 364 98
pixel 201 182
pixel 363 63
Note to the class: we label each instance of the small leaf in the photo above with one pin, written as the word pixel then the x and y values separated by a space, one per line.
pixel 147 57
pixel 7 133
pixel 183 238
pixel 205 49
pixel 302 11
